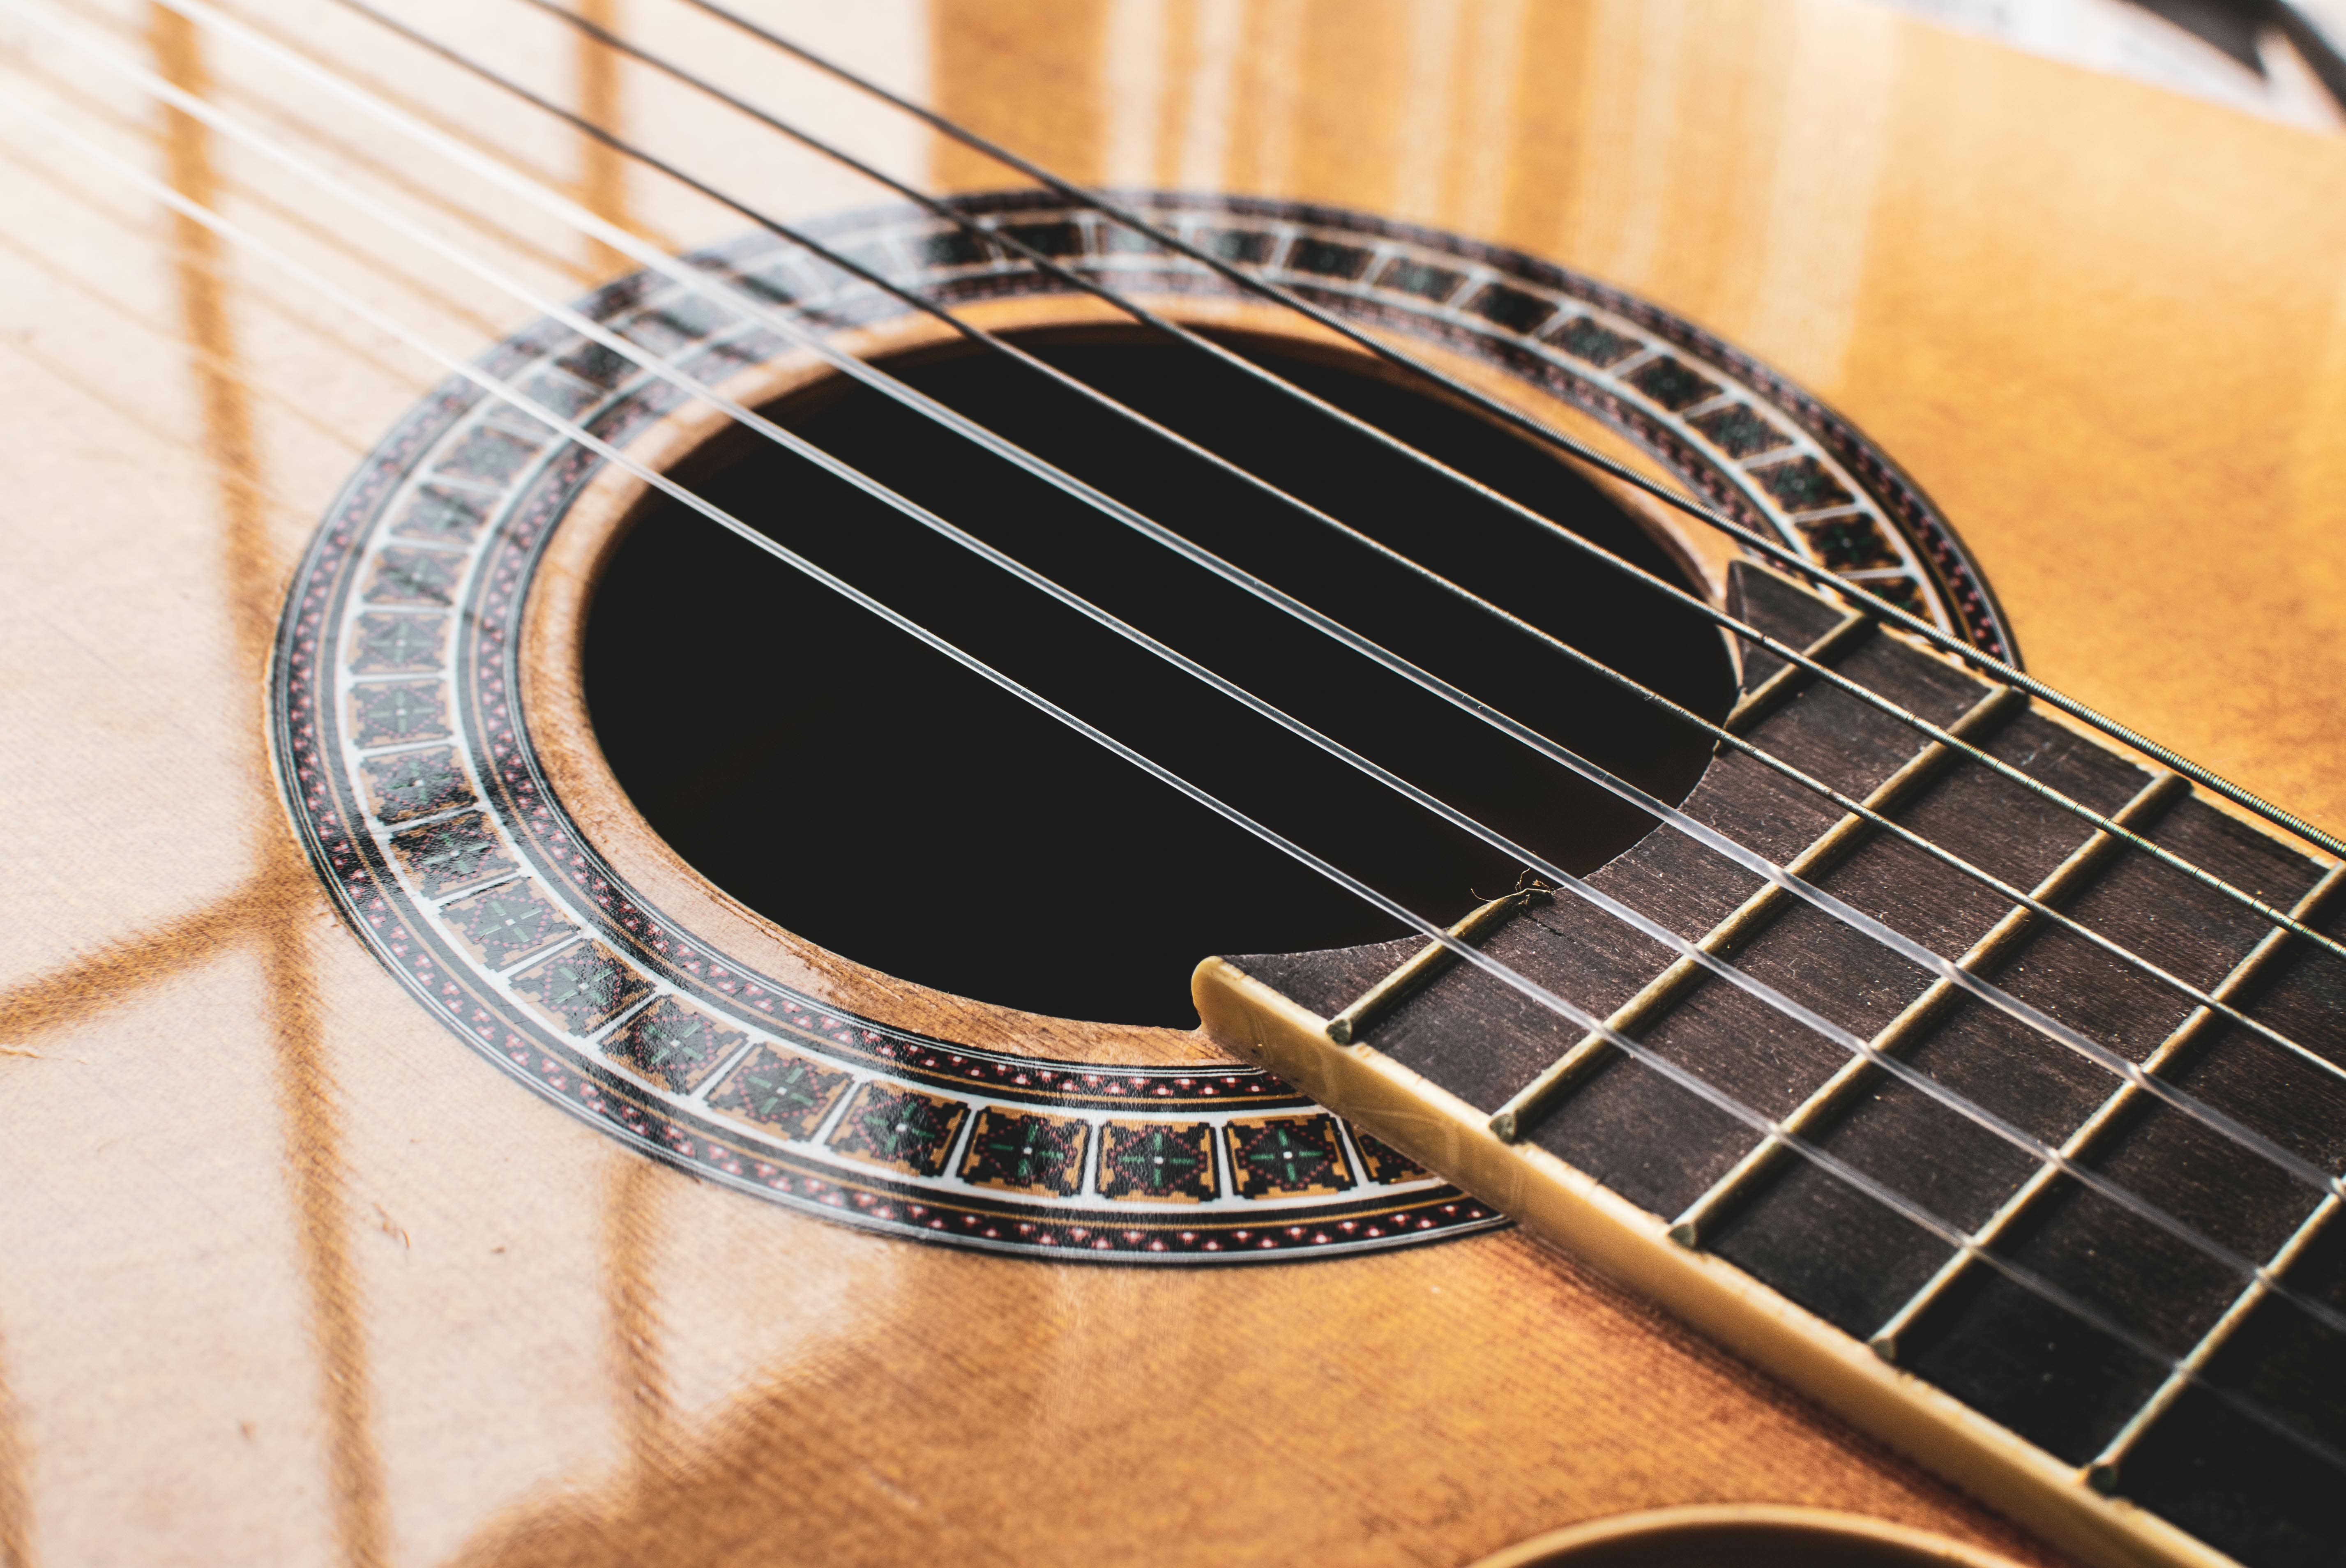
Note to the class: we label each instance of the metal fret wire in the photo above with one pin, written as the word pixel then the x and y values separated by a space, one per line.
pixel 1531 989
pixel 1052 267
pixel 2046 1155
pixel 2001 672
pixel 1298 394
pixel 2102 1473
pixel 741 302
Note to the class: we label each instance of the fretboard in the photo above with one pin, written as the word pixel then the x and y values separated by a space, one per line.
pixel 2162 1399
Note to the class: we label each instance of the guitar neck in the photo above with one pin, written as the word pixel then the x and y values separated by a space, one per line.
pixel 2027 1288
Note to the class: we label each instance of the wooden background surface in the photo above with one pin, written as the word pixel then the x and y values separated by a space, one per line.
pixel 291 1277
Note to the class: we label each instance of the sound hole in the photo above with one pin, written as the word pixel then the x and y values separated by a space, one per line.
pixel 869 794
pixel 1753 1536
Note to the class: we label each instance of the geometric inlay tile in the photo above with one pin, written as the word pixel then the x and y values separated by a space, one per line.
pixel 781 1090
pixel 508 922
pixel 1511 308
pixel 1025 1151
pixel 1157 1161
pixel 410 784
pixel 1385 1163
pixel 1331 259
pixel 1850 544
pixel 900 1128
pixel 1417 278
pixel 1802 485
pixel 397 644
pixel 385 713
pixel 1671 383
pixel 442 514
pixel 1287 1156
pixel 489 453
pixel 407 576
pixel 1584 339
pixel 1739 433
pixel 581 988
pixel 673 1043
pixel 456 852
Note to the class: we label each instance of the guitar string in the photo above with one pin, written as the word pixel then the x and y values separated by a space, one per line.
pixel 2001 671
pixel 970 224
pixel 520 401
pixel 990 340
pixel 2046 1155
pixel 2299 1169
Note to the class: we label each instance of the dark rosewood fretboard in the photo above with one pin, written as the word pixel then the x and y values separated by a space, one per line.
pixel 2126 1424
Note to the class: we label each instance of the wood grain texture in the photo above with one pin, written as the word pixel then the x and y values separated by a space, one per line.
pixel 300 1282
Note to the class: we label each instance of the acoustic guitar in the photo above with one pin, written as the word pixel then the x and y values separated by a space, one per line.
pixel 647 642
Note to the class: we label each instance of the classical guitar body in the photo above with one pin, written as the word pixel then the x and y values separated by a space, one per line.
pixel 538 1031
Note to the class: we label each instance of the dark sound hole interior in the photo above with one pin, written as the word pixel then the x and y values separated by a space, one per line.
pixel 862 791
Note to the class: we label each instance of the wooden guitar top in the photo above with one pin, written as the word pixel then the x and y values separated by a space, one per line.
pixel 294 1277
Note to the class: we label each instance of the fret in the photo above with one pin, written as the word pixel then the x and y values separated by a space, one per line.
pixel 1920 1017
pixel 1787 680
pixel 2249 1456
pixel 2103 1474
pixel 1836 844
pixel 1427 964
pixel 2259 963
